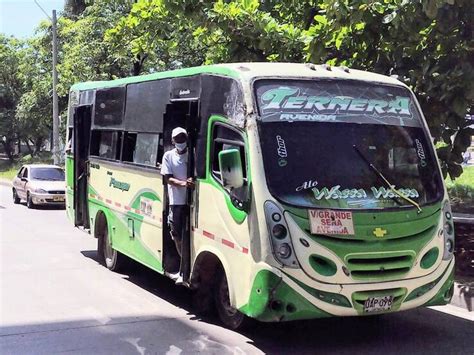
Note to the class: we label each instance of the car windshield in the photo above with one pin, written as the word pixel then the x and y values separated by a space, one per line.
pixel 50 174
pixel 331 144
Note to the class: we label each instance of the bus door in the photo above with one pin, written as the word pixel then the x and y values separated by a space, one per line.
pixel 81 141
pixel 181 113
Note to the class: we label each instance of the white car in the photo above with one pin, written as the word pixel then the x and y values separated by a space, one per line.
pixel 39 184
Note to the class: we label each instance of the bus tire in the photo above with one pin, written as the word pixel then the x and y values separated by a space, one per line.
pixel 16 199
pixel 29 201
pixel 108 256
pixel 231 317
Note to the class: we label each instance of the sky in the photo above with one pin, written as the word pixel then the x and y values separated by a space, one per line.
pixel 20 17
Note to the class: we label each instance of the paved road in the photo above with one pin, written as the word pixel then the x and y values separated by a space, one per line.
pixel 56 298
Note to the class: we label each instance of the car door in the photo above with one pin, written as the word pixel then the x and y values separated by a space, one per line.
pixel 17 181
pixel 24 182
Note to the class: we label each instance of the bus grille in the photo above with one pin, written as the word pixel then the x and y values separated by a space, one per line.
pixel 373 266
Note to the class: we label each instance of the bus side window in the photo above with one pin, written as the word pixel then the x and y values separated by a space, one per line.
pixel 106 144
pixel 141 148
pixel 226 138
pixel 69 145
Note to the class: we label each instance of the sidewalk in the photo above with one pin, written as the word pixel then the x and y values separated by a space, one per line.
pixel 463 295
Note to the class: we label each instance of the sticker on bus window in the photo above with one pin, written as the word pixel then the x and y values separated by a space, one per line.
pixel 336 101
pixel 331 222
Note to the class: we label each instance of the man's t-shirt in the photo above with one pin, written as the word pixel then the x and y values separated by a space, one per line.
pixel 175 164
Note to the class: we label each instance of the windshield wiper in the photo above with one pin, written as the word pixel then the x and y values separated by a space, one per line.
pixel 390 186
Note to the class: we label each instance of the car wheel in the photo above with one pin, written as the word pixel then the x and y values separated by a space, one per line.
pixel 29 201
pixel 229 316
pixel 16 199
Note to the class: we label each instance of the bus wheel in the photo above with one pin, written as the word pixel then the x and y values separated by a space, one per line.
pixel 112 259
pixel 29 201
pixel 230 316
pixel 16 199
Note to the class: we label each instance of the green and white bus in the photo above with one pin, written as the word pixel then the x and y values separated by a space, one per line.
pixel 318 191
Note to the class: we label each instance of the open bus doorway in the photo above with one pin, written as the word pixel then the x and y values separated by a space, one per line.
pixel 185 114
pixel 81 142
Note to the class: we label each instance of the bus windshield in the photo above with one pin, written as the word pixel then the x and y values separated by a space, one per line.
pixel 332 143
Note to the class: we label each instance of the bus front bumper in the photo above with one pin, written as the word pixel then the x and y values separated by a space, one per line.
pixel 278 296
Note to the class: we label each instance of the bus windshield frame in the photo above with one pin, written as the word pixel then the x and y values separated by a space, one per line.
pixel 312 158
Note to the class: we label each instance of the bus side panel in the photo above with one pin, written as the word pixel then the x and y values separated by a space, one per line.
pixel 69 167
pixel 133 201
pixel 217 229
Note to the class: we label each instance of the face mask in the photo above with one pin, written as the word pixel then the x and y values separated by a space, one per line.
pixel 180 146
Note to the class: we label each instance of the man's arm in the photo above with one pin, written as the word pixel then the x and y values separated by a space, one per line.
pixel 168 175
pixel 175 182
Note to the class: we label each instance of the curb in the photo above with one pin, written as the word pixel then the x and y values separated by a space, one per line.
pixel 463 218
pixel 463 296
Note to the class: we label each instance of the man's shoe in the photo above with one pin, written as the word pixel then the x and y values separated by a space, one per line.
pixel 175 276
pixel 179 280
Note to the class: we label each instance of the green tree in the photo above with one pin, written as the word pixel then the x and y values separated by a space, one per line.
pixel 34 110
pixel 10 92
pixel 429 44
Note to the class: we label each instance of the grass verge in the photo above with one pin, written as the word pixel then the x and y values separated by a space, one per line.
pixel 8 170
pixel 461 191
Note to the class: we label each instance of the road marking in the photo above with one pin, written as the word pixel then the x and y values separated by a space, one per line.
pixel 455 311
pixel 174 350
pixel 134 341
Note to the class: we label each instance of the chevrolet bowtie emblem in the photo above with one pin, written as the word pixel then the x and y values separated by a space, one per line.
pixel 379 232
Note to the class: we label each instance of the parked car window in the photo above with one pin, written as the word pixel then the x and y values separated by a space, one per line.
pixel 20 172
pixel 51 174
pixel 25 173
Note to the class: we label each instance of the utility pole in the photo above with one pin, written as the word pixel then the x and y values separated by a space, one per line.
pixel 55 150
pixel 55 93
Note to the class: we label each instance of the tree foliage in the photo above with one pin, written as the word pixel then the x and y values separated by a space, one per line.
pixel 428 43
pixel 10 92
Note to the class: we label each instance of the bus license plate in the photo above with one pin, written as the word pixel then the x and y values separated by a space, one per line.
pixel 378 304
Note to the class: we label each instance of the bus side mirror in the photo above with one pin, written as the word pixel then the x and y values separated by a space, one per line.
pixel 230 166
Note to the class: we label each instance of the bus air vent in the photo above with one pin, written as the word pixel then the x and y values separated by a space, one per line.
pixel 379 266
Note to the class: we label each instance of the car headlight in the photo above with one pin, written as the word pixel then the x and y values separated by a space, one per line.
pixel 40 191
pixel 279 235
pixel 448 231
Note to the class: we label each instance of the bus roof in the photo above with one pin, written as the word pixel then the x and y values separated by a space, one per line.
pixel 249 71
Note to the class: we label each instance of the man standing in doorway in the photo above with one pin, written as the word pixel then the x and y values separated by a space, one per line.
pixel 175 171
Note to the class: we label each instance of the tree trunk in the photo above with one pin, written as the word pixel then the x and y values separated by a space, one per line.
pixel 28 146
pixel 7 147
pixel 38 144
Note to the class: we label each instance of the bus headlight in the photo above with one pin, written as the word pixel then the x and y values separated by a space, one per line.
pixel 448 231
pixel 279 235
pixel 449 245
pixel 279 231
pixel 284 251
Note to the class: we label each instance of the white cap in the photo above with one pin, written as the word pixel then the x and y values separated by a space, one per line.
pixel 178 131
